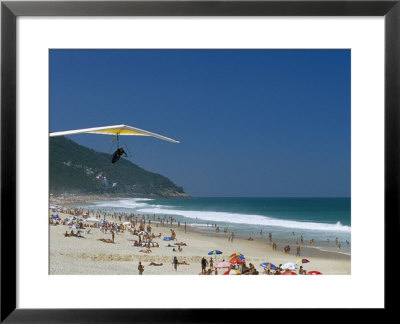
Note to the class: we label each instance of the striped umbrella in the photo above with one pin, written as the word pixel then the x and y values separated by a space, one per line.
pixel 303 261
pixel 238 255
pixel 268 265
pixel 232 272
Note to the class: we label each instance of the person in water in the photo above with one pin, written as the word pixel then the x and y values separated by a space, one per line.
pixel 117 154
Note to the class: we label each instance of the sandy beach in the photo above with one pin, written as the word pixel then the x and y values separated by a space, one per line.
pixel 88 255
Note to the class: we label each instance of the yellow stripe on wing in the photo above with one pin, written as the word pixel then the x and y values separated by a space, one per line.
pixel 119 131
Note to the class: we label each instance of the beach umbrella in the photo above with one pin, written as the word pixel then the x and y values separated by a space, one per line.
pixel 236 261
pixel 232 272
pixel 289 273
pixel 268 265
pixel 313 272
pixel 223 265
pixel 303 261
pixel 238 255
pixel 290 266
pixel 214 252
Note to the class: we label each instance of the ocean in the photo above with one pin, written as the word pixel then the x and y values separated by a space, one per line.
pixel 285 218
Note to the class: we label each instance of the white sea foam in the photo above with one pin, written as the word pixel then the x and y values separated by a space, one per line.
pixel 336 251
pixel 125 203
pixel 247 219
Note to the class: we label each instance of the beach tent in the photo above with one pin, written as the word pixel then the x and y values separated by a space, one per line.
pixel 92 219
pixel 290 266
pixel 223 265
pixel 268 265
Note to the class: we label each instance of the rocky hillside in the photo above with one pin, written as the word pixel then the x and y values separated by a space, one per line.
pixel 78 169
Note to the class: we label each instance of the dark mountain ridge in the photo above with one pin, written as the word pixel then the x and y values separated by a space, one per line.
pixel 76 169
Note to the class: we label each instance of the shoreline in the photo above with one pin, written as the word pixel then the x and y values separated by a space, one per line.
pixel 88 255
pixel 209 232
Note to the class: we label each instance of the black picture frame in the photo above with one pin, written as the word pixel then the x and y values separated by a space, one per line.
pixel 10 10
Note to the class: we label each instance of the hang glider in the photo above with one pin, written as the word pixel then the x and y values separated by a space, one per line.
pixel 115 130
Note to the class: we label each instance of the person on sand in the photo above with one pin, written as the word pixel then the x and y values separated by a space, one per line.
pixel 203 264
pixel 66 234
pixel 302 271
pixel 140 268
pixel 175 263
pixel 112 235
pixel 298 250
pixel 183 262
pixel 215 271
pixel 211 262
pixel 155 264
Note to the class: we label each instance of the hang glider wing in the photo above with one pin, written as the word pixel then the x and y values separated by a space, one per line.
pixel 114 130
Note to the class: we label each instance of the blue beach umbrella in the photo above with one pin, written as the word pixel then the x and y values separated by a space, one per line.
pixel 268 265
pixel 214 252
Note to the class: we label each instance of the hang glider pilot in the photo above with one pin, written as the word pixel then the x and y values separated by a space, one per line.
pixel 117 154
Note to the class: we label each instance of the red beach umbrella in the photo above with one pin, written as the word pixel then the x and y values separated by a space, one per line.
pixel 313 272
pixel 236 261
pixel 289 273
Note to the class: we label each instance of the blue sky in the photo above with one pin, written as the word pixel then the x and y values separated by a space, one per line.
pixel 252 123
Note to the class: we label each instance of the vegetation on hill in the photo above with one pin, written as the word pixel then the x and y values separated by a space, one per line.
pixel 78 169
